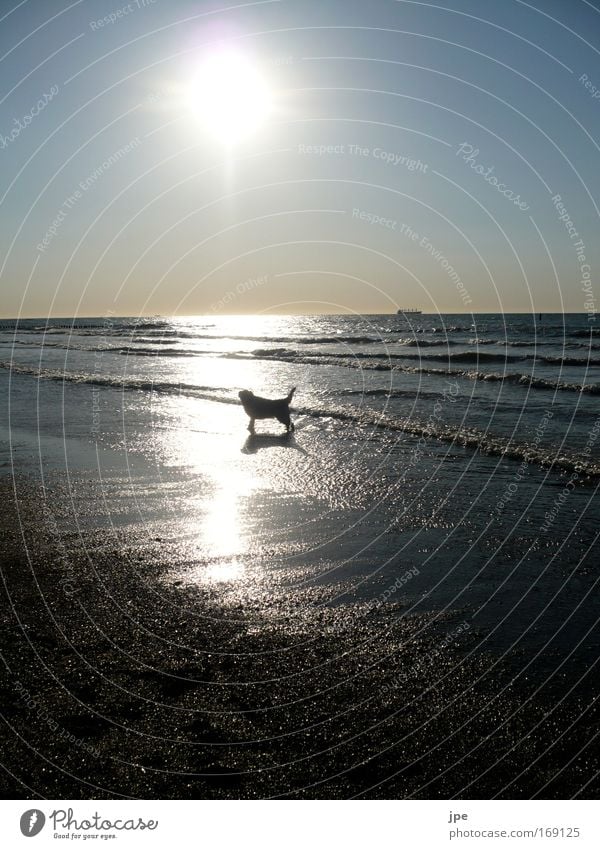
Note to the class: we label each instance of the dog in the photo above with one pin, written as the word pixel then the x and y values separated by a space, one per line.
pixel 266 408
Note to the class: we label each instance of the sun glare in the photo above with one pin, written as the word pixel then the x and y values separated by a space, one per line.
pixel 230 96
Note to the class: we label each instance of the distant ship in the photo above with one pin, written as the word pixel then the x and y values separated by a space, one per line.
pixel 409 312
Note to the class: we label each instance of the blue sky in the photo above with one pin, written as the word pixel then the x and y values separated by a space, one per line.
pixel 413 157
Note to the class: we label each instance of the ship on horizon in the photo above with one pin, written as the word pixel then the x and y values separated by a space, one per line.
pixel 410 312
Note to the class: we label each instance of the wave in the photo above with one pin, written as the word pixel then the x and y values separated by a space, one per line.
pixel 107 349
pixel 535 382
pixel 461 356
pixel 74 327
pixel 538 358
pixel 591 331
pixel 417 395
pixel 388 336
pixel 454 328
pixel 125 383
pixel 474 357
pixel 462 437
pixel 426 343
pixel 139 348
pixel 583 362
pixel 155 352
pixel 517 378
pixel 537 343
pixel 479 356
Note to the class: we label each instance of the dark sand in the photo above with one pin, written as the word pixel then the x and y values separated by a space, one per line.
pixel 117 683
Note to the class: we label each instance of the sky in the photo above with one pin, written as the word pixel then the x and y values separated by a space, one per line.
pixel 292 156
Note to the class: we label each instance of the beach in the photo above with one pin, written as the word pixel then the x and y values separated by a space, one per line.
pixel 121 685
pixel 397 601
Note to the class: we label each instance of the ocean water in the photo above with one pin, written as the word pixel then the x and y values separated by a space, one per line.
pixel 445 463
pixel 518 384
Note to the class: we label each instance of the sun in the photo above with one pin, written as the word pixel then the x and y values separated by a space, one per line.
pixel 229 96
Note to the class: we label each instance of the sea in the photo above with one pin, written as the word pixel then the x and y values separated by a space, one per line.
pixel 489 380
pixel 445 463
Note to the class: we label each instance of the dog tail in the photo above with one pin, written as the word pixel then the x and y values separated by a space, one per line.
pixel 291 395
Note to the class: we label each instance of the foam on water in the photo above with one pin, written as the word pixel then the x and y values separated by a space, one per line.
pixel 415 426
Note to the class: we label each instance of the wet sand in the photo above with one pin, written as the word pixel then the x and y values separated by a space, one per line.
pixel 122 682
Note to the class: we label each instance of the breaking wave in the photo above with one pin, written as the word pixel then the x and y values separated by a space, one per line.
pixel 356 362
pixel 462 437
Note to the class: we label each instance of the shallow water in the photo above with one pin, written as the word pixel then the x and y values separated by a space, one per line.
pixel 499 376
pixel 438 464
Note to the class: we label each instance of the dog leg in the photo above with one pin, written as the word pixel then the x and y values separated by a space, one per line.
pixel 251 426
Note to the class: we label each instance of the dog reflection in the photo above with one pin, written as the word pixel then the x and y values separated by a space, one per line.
pixel 256 441
pixel 267 408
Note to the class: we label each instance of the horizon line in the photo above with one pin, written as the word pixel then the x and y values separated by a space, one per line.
pixel 282 315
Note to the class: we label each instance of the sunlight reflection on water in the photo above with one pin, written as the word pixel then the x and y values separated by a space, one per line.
pixel 220 522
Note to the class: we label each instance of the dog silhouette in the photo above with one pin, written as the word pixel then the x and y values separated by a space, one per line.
pixel 267 408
